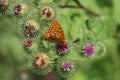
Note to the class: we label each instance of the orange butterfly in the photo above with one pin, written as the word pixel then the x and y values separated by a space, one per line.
pixel 55 33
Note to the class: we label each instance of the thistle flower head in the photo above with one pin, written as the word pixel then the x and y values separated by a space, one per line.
pixel 31 28
pixel 3 4
pixel 20 9
pixel 62 48
pixel 41 61
pixel 47 13
pixel 27 43
pixel 88 50
pixel 67 66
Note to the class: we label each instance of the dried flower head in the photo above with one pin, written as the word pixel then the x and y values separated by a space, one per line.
pixel 88 50
pixel 41 61
pixel 3 4
pixel 31 28
pixel 47 13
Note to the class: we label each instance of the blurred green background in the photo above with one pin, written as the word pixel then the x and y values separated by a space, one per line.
pixel 12 56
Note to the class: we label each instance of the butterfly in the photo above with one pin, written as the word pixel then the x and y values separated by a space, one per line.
pixel 55 33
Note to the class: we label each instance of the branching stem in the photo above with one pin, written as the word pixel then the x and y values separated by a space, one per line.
pixel 80 6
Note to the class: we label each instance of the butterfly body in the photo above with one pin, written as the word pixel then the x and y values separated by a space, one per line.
pixel 55 33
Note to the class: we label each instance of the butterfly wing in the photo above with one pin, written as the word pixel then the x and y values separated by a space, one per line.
pixel 46 35
pixel 55 33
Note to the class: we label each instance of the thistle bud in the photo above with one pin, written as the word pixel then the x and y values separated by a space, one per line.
pixel 47 13
pixel 3 4
pixel 20 9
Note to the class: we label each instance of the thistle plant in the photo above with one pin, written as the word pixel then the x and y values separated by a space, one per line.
pixel 50 45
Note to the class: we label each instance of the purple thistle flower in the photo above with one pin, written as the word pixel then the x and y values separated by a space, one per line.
pixel 88 50
pixel 62 48
pixel 27 43
pixel 67 66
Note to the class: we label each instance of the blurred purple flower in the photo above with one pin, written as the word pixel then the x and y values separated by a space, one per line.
pixel 67 66
pixel 88 50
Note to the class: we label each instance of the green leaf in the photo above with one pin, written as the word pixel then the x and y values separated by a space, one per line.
pixel 95 25
pixel 116 10
pixel 56 1
pixel 74 15
pixel 77 28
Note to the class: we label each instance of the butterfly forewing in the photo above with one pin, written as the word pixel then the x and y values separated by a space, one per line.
pixel 55 33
